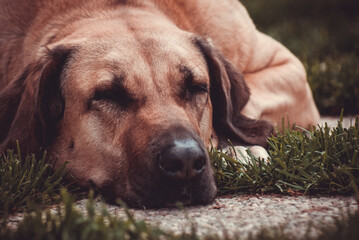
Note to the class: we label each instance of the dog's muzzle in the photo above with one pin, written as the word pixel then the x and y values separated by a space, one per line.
pixel 174 168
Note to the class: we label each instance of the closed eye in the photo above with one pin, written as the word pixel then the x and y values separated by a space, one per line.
pixel 192 85
pixel 198 88
pixel 114 95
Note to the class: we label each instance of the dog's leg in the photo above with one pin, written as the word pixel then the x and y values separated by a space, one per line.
pixel 278 85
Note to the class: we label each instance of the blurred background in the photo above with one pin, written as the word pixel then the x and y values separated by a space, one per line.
pixel 324 34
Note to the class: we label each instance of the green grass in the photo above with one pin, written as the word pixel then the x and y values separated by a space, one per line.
pixel 324 34
pixel 29 179
pixel 324 160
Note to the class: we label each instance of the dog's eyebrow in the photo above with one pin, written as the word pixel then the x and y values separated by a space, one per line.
pixel 118 80
pixel 187 74
pixel 116 83
pixel 190 78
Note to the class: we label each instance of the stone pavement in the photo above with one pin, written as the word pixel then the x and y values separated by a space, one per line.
pixel 247 215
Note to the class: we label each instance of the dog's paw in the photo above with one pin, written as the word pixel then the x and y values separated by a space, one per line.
pixel 259 152
pixel 241 153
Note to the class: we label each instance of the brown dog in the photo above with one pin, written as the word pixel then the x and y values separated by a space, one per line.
pixel 130 92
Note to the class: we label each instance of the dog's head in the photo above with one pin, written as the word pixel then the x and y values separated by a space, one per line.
pixel 132 110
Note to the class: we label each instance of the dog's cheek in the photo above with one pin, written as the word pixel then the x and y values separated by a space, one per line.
pixel 205 125
pixel 90 166
pixel 89 148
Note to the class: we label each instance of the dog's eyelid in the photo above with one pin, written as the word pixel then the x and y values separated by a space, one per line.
pixel 198 88
pixel 193 84
pixel 116 95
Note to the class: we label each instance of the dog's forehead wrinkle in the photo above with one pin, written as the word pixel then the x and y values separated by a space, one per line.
pixel 191 66
pixel 138 71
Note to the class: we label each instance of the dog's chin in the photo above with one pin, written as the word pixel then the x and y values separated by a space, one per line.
pixel 169 199
pixel 162 196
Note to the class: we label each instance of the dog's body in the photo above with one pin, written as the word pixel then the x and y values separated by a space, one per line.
pixel 120 88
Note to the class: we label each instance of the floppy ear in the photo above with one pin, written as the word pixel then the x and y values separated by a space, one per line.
pixel 32 105
pixel 229 94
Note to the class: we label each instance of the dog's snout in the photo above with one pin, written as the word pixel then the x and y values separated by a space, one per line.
pixel 183 159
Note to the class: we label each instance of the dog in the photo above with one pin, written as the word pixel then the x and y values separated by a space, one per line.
pixel 131 93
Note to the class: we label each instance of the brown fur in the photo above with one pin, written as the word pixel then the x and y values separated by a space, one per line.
pixel 106 84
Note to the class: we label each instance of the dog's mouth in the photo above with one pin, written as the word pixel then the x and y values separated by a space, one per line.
pixel 158 192
pixel 172 194
pixel 185 198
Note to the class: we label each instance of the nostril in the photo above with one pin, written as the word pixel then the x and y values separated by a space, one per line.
pixel 199 164
pixel 170 166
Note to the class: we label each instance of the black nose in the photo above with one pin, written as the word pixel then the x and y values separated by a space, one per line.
pixel 183 160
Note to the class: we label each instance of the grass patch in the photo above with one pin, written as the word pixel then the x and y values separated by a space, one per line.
pixel 324 160
pixel 323 35
pixel 25 180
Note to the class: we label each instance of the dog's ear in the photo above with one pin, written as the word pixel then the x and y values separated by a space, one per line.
pixel 32 105
pixel 229 94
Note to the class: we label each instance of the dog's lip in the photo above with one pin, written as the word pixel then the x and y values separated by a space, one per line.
pixel 155 198
pixel 163 196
